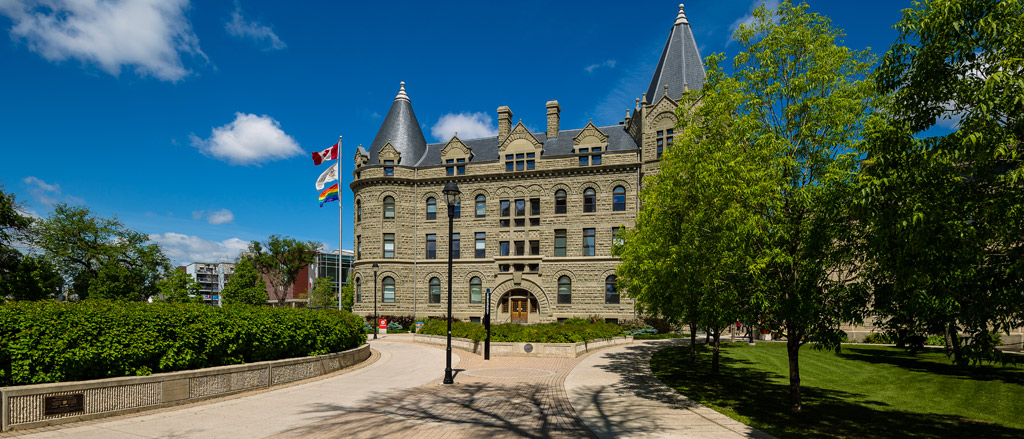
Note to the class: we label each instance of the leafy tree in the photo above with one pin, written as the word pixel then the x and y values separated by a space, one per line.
pixel 281 259
pixel 14 227
pixel 35 278
pixel 945 212
pixel 246 286
pixel 103 258
pixel 322 295
pixel 795 106
pixel 348 293
pixel 179 287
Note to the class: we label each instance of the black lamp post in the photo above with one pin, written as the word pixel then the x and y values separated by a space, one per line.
pixel 375 322
pixel 451 197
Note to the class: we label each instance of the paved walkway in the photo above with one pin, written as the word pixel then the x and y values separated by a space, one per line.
pixel 398 393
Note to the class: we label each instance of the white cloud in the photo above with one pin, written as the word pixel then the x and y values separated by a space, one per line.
pixel 185 249
pixel 222 216
pixel 771 5
pixel 197 214
pixel 248 140
pixel 149 35
pixel 608 63
pixel 47 193
pixel 468 125
pixel 255 30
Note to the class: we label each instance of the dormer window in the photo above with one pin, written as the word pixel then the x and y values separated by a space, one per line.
pixel 590 156
pixel 389 167
pixel 520 162
pixel 456 166
pixel 664 140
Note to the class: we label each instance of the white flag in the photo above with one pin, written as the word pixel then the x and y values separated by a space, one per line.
pixel 330 174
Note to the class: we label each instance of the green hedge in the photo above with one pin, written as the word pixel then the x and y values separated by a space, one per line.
pixel 45 342
pixel 512 332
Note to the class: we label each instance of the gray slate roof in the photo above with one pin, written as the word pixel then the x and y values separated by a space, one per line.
pixel 401 128
pixel 680 63
pixel 486 148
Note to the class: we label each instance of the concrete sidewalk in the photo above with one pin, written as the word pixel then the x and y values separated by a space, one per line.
pixel 398 393
pixel 615 394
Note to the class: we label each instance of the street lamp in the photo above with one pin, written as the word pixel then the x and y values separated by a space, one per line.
pixel 375 330
pixel 451 197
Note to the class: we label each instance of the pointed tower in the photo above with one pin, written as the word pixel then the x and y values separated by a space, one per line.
pixel 680 63
pixel 402 131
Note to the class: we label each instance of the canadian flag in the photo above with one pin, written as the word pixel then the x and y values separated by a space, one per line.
pixel 330 153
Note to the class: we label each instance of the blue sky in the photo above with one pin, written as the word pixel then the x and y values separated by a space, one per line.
pixel 193 121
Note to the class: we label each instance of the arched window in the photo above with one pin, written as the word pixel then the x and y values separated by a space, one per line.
pixel 590 200
pixel 388 290
pixel 560 201
pixel 564 290
pixel 481 206
pixel 435 290
pixel 619 198
pixel 359 210
pixel 431 208
pixel 359 290
pixel 611 295
pixel 474 290
pixel 389 207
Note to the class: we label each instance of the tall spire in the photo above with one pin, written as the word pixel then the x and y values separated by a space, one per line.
pixel 401 128
pixel 680 63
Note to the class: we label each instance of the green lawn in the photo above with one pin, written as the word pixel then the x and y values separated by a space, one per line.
pixel 864 392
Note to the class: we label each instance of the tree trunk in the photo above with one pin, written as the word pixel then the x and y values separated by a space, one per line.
pixel 693 341
pixel 793 348
pixel 714 356
pixel 751 330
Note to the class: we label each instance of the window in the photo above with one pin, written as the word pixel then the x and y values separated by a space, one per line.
pixel 503 248
pixel 456 245
pixel 519 162
pixel 619 198
pixel 474 290
pixel 611 295
pixel 588 242
pixel 481 245
pixel 359 210
pixel 534 206
pixel 389 207
pixel 435 290
pixel 520 207
pixel 560 201
pixel 535 248
pixel 505 204
pixel 389 170
pixel 596 158
pixel 564 290
pixel 584 158
pixel 474 320
pixel 389 246
pixel 481 206
pixel 359 290
pixel 431 208
pixel 560 242
pixel 431 246
pixel 589 200
pixel 457 212
pixel 520 248
pixel 455 166
pixel 612 321
pixel 590 156
pixel 664 140
pixel 388 290
pixel 359 247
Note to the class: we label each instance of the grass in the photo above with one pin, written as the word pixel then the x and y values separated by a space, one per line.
pixel 863 392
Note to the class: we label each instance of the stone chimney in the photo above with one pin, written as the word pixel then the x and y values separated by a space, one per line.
pixel 553 115
pixel 504 122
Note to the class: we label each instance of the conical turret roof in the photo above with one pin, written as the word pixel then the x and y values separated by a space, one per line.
pixel 401 128
pixel 680 63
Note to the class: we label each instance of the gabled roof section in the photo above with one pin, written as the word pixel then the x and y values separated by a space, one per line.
pixel 519 132
pixel 680 63
pixel 402 130
pixel 456 147
pixel 589 135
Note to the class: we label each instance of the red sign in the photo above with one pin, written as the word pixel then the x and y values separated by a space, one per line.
pixel 383 324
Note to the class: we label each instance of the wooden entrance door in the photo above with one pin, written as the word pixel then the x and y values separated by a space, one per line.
pixel 520 308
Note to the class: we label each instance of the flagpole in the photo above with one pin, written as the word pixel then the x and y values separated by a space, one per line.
pixel 341 256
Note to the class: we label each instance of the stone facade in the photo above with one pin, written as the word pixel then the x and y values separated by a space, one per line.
pixel 397 180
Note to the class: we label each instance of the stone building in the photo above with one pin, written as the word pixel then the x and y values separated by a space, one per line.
pixel 538 212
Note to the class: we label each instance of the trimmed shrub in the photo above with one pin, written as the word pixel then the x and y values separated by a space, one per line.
pixel 566 332
pixel 46 342
pixel 879 337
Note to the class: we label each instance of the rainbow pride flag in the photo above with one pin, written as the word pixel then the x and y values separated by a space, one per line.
pixel 329 194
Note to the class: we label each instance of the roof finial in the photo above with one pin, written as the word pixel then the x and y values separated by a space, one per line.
pixel 401 93
pixel 666 89
pixel 686 87
pixel 644 100
pixel 681 18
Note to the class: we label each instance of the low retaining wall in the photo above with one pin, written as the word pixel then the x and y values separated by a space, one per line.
pixel 40 405
pixel 514 349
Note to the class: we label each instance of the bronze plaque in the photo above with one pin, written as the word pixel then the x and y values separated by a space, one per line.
pixel 60 404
